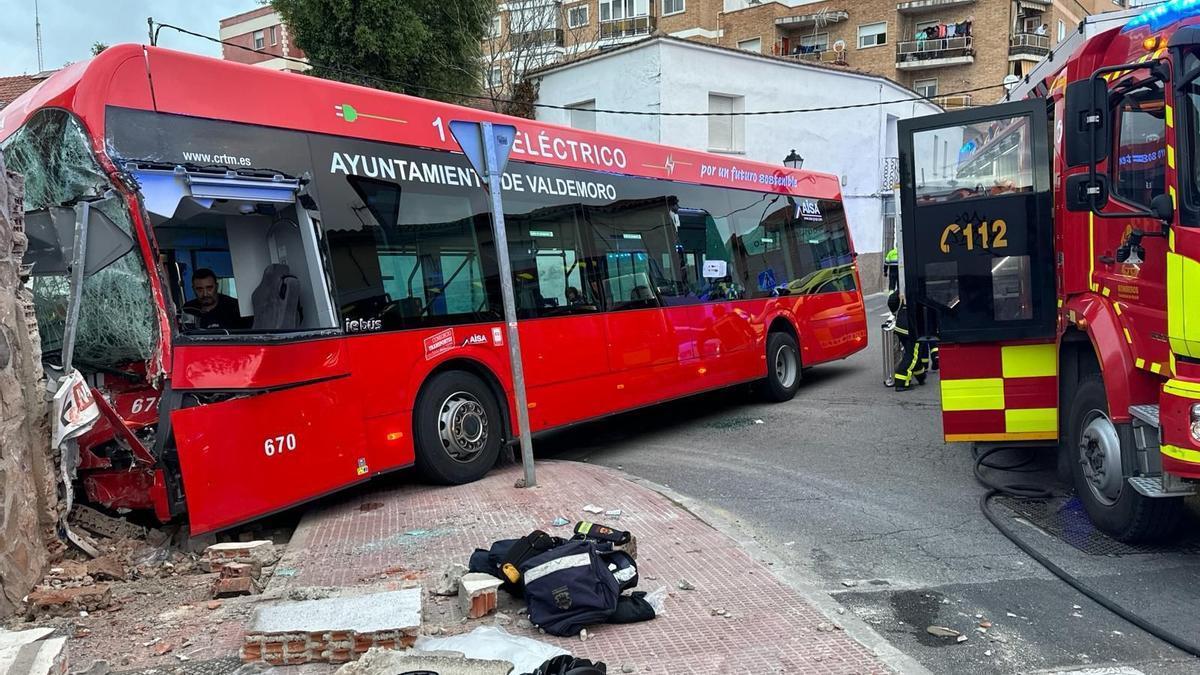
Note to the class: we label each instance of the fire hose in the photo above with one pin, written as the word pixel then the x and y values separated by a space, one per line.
pixel 1044 490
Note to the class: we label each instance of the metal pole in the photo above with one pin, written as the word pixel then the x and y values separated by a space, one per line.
pixel 507 296
pixel 78 260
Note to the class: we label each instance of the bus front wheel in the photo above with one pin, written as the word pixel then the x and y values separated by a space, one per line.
pixel 459 430
pixel 783 367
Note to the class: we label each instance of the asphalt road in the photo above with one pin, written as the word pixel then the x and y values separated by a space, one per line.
pixel 851 484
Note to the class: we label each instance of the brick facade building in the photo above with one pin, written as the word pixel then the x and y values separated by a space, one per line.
pixel 935 47
pixel 263 31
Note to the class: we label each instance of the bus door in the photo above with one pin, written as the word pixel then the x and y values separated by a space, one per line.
pixel 979 268
pixel 259 414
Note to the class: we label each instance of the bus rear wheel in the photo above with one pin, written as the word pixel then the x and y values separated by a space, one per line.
pixel 459 430
pixel 1095 448
pixel 783 367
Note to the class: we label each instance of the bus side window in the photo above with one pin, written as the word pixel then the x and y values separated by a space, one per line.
pixel 635 244
pixel 760 223
pixel 551 275
pixel 410 256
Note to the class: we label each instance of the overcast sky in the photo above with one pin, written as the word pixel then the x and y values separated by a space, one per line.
pixel 69 27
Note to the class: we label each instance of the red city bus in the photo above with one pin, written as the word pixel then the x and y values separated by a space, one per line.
pixel 360 328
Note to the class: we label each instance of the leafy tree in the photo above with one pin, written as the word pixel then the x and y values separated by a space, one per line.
pixel 431 48
pixel 98 47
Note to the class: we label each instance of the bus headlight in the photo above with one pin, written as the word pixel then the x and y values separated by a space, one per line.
pixel 1196 422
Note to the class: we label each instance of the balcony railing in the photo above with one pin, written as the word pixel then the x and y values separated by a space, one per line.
pixel 1029 43
pixel 820 56
pixel 934 53
pixel 816 18
pixel 549 37
pixel 619 28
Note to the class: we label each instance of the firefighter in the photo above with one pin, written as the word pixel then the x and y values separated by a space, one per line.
pixel 891 268
pixel 914 362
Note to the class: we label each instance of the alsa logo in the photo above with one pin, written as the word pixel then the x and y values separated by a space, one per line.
pixel 362 325
pixel 808 209
pixel 475 339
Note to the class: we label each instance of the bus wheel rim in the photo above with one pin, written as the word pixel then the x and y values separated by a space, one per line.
pixel 785 367
pixel 462 426
pixel 1100 457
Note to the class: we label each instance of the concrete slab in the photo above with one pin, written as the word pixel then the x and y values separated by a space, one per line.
pixel 370 613
pixel 35 657
pixel 9 638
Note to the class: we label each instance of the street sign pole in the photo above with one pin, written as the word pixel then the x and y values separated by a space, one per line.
pixel 487 146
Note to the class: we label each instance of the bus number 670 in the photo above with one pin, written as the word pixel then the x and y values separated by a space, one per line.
pixel 276 445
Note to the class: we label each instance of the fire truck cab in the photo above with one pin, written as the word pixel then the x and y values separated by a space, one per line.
pixel 1053 244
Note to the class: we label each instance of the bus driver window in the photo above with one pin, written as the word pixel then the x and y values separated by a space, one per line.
pixel 239 254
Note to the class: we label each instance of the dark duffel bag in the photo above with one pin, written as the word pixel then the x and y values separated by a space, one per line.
pixel 569 587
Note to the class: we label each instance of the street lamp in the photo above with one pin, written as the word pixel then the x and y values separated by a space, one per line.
pixel 793 161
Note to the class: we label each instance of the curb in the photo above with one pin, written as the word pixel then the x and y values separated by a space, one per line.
pixel 856 628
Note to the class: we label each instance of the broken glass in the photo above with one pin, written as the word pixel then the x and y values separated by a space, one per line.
pixel 116 315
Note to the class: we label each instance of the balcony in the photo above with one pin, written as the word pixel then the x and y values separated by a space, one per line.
pixel 818 54
pixel 938 53
pixel 955 102
pixel 549 37
pixel 927 6
pixel 631 27
pixel 809 20
pixel 1028 45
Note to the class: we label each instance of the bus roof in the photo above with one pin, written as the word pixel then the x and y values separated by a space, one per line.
pixel 168 81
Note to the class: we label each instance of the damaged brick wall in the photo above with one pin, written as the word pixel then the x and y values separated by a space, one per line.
pixel 27 483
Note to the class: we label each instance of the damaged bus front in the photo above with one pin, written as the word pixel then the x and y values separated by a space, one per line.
pixel 101 328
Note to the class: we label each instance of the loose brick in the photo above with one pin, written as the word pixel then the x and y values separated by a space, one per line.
pixel 106 569
pixel 236 570
pixel 230 587
pixel 61 601
pixel 477 594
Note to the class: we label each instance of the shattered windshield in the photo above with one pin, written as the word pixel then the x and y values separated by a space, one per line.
pixel 116 318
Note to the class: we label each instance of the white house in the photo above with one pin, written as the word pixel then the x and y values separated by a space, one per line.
pixel 665 74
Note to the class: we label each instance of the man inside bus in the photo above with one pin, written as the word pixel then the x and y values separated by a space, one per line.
pixel 211 308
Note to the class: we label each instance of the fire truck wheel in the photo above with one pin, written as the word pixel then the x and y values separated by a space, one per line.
pixel 783 367
pixel 1096 448
pixel 458 427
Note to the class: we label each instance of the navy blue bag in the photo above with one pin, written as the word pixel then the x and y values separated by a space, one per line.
pixel 569 587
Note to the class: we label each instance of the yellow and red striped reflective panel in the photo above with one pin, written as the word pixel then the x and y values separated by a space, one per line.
pixel 998 392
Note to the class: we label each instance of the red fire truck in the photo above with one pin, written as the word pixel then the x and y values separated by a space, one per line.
pixel 278 286
pixel 1054 245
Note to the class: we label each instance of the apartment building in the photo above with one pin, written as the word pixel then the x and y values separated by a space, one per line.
pixel 858 144
pixel 259 37
pixel 935 47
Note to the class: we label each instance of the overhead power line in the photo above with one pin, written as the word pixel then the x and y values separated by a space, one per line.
pixel 550 106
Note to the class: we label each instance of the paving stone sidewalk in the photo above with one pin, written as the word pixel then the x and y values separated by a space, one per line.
pixel 405 534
